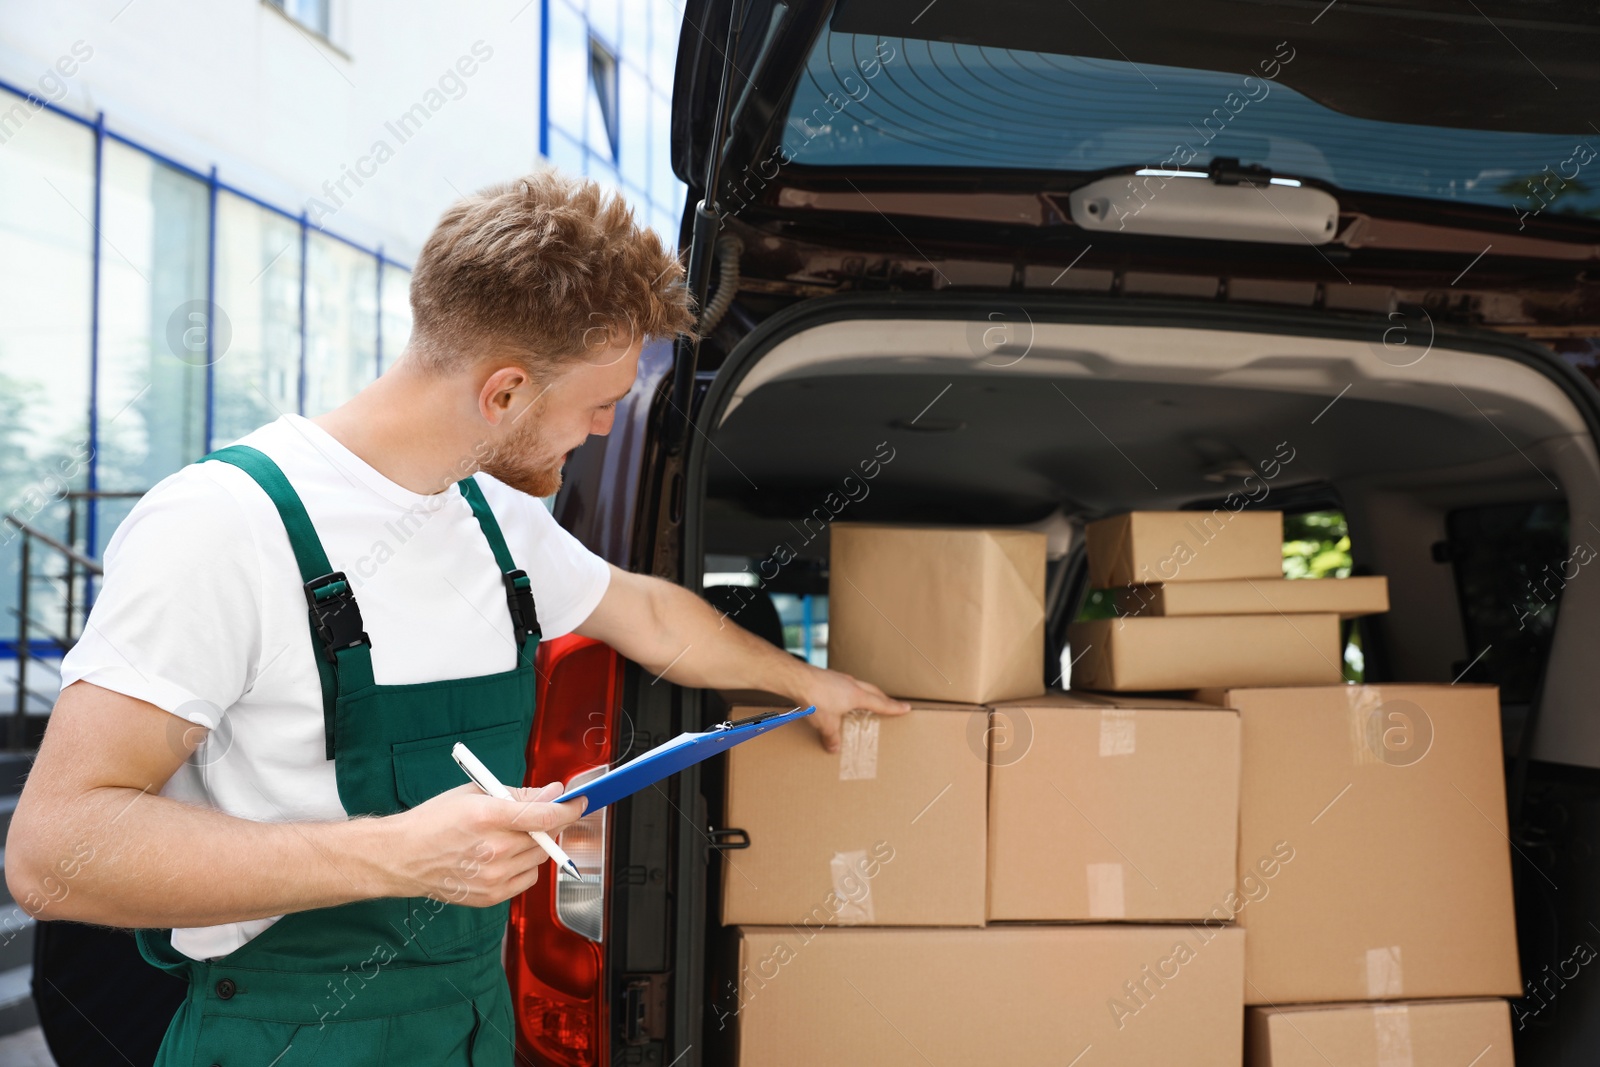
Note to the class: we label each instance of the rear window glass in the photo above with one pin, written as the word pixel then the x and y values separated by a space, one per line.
pixel 1512 562
pixel 883 101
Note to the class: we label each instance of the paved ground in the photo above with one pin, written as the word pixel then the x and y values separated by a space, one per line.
pixel 26 1049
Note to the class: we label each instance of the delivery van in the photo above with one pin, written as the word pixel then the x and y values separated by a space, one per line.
pixel 1022 264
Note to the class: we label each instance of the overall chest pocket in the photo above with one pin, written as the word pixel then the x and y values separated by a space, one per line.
pixel 422 770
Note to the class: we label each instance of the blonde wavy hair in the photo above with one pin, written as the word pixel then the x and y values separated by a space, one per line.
pixel 548 265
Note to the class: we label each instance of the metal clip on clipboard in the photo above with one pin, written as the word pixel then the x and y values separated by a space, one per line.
pixel 765 716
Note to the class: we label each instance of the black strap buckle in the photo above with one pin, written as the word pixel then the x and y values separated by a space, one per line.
pixel 334 614
pixel 519 598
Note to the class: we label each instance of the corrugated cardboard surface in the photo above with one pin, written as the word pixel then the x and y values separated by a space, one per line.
pixel 1345 597
pixel 1105 808
pixel 1440 1033
pixel 1184 546
pixel 891 830
pixel 1392 800
pixel 938 613
pixel 1002 996
pixel 1194 652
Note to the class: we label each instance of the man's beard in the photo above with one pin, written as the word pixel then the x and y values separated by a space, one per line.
pixel 521 462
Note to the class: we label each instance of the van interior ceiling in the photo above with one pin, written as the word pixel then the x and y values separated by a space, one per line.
pixel 1417 444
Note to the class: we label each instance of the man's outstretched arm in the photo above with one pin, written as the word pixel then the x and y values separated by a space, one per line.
pixel 92 840
pixel 671 632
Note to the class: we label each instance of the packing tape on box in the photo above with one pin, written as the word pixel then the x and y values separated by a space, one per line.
pixel 1366 728
pixel 1383 972
pixel 1117 736
pixel 1106 897
pixel 1391 1025
pixel 858 747
pixel 852 886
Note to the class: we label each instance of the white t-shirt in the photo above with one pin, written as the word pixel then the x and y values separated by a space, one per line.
pixel 201 613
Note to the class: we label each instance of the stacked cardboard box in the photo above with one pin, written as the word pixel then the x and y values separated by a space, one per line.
pixel 1439 1033
pixel 1201 601
pixel 1111 808
pixel 1386 807
pixel 938 613
pixel 866 902
pixel 889 831
pixel 1019 882
pixel 1112 870
pixel 1134 995
pixel 1373 871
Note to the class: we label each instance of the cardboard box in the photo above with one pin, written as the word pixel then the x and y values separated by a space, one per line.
pixel 889 831
pixel 1136 995
pixel 938 613
pixel 1344 597
pixel 1111 808
pixel 1194 652
pixel 1439 1033
pixel 1184 546
pixel 1373 856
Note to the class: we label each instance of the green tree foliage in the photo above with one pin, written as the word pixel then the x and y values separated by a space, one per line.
pixel 1316 544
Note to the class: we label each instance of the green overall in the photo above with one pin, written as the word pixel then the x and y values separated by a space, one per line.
pixel 388 981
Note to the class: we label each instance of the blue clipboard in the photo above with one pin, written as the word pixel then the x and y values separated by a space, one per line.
pixel 682 751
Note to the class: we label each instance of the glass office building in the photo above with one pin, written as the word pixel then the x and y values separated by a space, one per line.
pixel 150 310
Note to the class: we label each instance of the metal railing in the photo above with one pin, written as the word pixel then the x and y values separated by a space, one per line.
pixel 76 591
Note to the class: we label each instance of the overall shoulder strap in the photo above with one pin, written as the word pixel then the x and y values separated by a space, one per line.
pixel 308 552
pixel 343 650
pixel 519 590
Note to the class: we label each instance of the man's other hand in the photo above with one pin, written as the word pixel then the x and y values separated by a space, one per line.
pixel 468 848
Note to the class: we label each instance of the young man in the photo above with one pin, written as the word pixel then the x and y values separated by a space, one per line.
pixel 250 758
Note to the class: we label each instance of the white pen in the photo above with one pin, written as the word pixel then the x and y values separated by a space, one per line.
pixel 486 781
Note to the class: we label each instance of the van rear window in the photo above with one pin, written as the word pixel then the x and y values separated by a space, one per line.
pixel 1512 562
pixel 865 101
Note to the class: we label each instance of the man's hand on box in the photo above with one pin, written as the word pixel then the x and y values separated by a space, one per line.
pixel 836 694
pixel 666 628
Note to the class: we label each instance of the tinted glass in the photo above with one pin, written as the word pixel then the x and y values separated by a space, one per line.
pixel 1512 562
pixel 867 101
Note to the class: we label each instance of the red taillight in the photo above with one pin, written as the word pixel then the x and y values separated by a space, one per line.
pixel 558 975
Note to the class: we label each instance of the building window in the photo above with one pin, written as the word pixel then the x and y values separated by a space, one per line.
pixel 257 372
pixel 603 76
pixel 341 323
pixel 394 314
pixel 155 239
pixel 612 123
pixel 312 14
pixel 46 200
